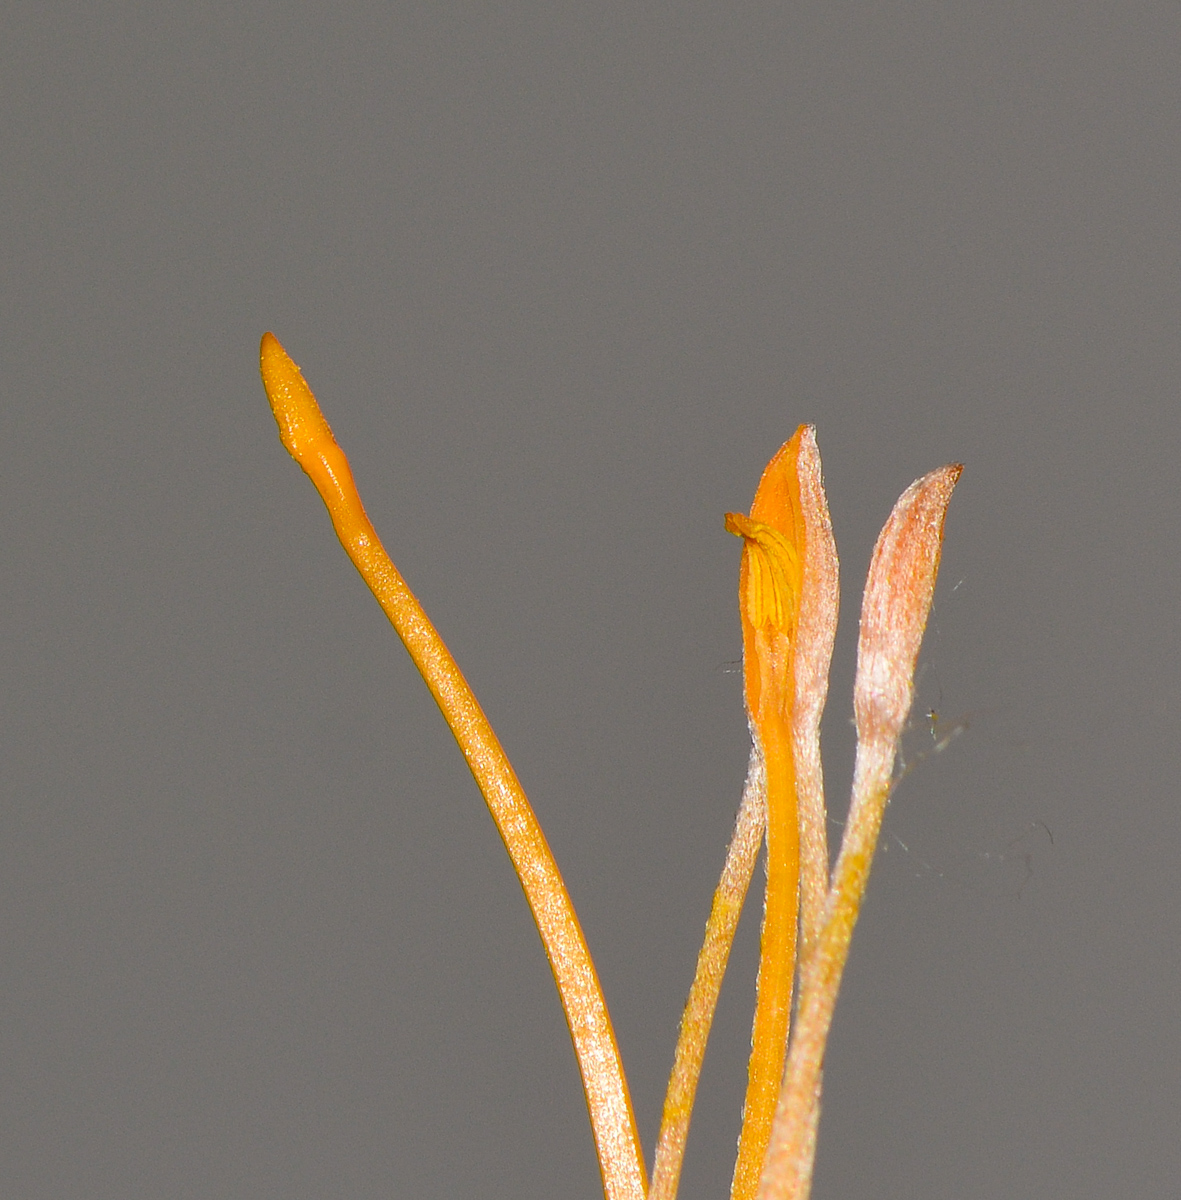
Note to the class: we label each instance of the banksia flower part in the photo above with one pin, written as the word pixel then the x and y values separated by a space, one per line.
pixel 770 591
pixel 897 602
pixel 307 437
pixel 788 600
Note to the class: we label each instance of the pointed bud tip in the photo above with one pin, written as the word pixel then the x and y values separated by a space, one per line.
pixel 301 423
pixel 897 602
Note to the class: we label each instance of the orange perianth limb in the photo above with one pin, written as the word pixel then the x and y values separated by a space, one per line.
pixel 306 435
pixel 770 584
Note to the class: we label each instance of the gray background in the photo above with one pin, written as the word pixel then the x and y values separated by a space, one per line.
pixel 564 276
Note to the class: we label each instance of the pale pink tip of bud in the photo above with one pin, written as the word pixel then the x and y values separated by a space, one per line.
pixel 897 601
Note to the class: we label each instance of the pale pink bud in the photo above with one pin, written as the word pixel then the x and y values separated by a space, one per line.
pixel 897 600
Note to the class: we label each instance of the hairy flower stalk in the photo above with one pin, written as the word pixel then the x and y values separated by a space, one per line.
pixel 707 982
pixel 788 599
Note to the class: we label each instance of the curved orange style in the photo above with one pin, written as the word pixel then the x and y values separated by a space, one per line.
pixel 306 435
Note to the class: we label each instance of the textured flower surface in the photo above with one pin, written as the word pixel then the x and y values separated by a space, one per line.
pixel 788 600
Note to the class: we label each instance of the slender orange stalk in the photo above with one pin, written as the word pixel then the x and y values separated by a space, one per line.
pixel 707 982
pixel 894 613
pixel 306 435
pixel 769 587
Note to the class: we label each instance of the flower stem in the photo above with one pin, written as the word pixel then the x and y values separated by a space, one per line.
pixel 707 982
pixel 306 435
pixel 787 1171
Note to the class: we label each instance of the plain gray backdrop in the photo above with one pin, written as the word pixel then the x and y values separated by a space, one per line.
pixel 564 276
